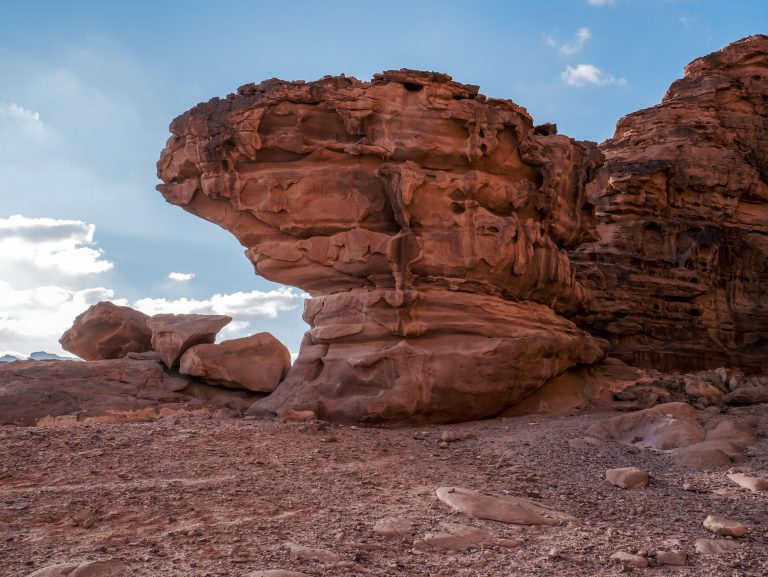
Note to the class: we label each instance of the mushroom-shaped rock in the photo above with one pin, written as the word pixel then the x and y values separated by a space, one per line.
pixel 257 363
pixel 107 331
pixel 428 223
pixel 173 334
pixel 506 509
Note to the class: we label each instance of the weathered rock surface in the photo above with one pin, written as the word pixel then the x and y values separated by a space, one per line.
pixel 107 331
pixel 173 334
pixel 112 568
pixel 725 527
pixel 506 509
pixel 627 477
pixel 257 362
pixel 679 272
pixel 715 546
pixel 753 483
pixel 429 224
pixel 51 392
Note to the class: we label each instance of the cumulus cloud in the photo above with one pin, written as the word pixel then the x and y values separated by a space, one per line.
pixel 38 251
pixel 600 2
pixel 243 305
pixel 581 38
pixel 588 75
pixel 181 276
pixel 16 112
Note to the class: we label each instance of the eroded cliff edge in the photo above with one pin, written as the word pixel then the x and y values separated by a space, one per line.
pixel 429 223
pixel 679 275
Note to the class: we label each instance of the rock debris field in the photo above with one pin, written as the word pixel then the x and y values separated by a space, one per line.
pixel 221 496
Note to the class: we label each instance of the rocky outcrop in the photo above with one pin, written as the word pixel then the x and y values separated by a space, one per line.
pixel 173 334
pixel 52 392
pixel 256 363
pixel 429 224
pixel 679 274
pixel 107 331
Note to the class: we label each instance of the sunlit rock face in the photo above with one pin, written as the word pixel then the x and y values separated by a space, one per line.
pixel 428 223
pixel 680 273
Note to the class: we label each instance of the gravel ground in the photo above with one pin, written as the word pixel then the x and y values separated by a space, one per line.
pixel 197 496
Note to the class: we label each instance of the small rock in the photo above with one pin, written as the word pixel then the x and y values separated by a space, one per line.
pixel 676 558
pixel 747 396
pixel 725 527
pixel 17 506
pixel 450 436
pixel 754 484
pixel 393 528
pixel 628 559
pixel 555 553
pixel 715 546
pixel 627 477
pixel 293 415
pixel 276 573
pixel 322 555
pixel 509 543
pixel 506 509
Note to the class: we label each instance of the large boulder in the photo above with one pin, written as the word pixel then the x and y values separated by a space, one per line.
pixel 428 223
pixel 107 331
pixel 257 363
pixel 174 334
pixel 679 274
pixel 49 392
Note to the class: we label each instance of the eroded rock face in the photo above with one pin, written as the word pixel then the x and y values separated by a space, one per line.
pixel 66 392
pixel 173 334
pixel 107 331
pixel 428 223
pixel 679 274
pixel 257 362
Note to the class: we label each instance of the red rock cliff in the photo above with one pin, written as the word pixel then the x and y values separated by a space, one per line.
pixel 428 223
pixel 680 273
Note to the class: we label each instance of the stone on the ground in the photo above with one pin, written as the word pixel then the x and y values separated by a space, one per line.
pixel 675 558
pixel 725 527
pixel 393 527
pixel 747 396
pixel 107 331
pixel 629 559
pixel 173 334
pixel 506 509
pixel 627 477
pixel 312 554
pixel 456 536
pixel 256 363
pixel 715 546
pixel 753 483
pixel 702 456
pixel 55 570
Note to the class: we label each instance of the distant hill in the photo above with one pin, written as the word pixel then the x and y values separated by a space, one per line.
pixel 36 356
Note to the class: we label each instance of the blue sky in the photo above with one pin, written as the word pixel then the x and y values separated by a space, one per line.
pixel 87 90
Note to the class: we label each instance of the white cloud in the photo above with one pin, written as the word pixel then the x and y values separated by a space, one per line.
pixel 14 111
pixel 181 276
pixel 245 305
pixel 588 74
pixel 600 2
pixel 581 37
pixel 42 251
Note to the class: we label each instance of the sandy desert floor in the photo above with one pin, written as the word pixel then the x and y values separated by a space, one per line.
pixel 201 496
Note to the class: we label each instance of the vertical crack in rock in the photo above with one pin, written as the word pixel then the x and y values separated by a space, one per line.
pixel 680 273
pixel 428 223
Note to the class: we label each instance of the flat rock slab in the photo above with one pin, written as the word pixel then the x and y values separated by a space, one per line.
pixel 393 527
pixel 725 527
pixel 754 484
pixel 715 546
pixel 629 559
pixel 505 509
pixel 310 554
pixel 112 568
pixel 172 335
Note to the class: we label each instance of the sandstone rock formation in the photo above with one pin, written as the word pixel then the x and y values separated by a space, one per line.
pixel 679 274
pixel 429 223
pixel 107 331
pixel 257 363
pixel 174 334
pixel 47 392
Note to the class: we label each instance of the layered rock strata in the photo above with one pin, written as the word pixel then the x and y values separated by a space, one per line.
pixel 680 272
pixel 428 223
